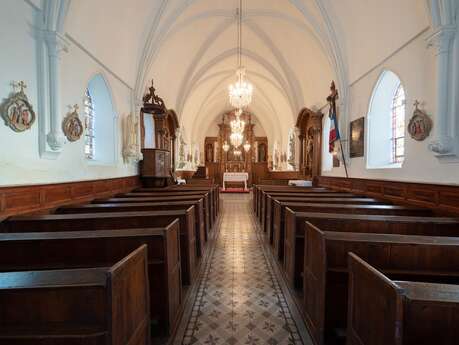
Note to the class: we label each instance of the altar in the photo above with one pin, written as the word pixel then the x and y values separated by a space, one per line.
pixel 242 177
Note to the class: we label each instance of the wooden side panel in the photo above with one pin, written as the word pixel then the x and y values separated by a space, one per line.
pixel 174 275
pixel 277 223
pixel 130 300
pixel 315 266
pixel 40 198
pixel 442 198
pixel 375 306
pixel 289 246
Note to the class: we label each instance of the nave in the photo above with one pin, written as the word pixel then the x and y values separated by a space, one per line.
pixel 240 299
pixel 229 172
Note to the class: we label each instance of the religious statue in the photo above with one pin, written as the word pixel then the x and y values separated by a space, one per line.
pixel 181 153
pixel 291 149
pixel 131 149
pixel 309 150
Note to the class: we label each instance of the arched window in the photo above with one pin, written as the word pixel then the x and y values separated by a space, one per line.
pixel 100 136
pixel 398 125
pixel 386 123
pixel 89 147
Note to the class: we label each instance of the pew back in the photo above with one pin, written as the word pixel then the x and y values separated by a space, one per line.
pixel 81 306
pixel 117 220
pixel 420 258
pixel 83 249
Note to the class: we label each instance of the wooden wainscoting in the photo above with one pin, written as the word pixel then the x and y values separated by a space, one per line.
pixel 40 198
pixel 442 198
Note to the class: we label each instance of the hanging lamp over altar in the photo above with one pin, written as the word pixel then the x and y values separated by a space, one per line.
pixel 236 139
pixel 240 93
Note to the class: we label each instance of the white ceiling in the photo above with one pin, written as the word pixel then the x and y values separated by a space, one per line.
pixel 292 50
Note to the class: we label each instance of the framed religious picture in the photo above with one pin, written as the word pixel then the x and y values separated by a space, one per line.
pixel 420 124
pixel 16 110
pixel 357 140
pixel 72 126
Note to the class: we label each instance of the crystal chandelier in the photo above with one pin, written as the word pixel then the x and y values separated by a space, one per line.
pixel 240 93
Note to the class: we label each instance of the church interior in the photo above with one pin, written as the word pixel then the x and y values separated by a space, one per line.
pixel 190 172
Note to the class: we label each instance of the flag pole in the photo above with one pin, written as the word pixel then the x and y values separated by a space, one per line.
pixel 332 100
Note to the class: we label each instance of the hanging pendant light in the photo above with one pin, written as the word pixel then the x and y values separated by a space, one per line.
pixel 225 147
pixel 240 93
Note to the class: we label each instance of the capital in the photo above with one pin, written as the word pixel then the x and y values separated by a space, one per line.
pixel 56 43
pixel 442 39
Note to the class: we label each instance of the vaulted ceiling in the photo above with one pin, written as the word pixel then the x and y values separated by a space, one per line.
pixel 292 49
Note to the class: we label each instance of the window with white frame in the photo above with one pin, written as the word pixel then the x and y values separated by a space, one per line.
pixel 398 125
pixel 101 129
pixel 386 123
pixel 89 144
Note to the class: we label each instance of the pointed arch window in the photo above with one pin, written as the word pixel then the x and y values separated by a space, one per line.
pixel 101 146
pixel 386 123
pixel 89 144
pixel 398 125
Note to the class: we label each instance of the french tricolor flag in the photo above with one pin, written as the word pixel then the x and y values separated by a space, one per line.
pixel 334 132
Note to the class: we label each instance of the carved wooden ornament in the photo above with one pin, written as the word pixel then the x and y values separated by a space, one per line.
pixel 72 125
pixel 420 124
pixel 16 110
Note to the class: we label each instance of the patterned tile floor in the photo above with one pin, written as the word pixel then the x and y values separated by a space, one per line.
pixel 239 299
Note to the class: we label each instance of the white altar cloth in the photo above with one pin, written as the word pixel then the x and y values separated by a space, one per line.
pixel 235 177
pixel 300 183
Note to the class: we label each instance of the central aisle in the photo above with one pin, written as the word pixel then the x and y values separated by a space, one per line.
pixel 239 299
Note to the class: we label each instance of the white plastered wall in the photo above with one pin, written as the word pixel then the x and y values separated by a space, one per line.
pixel 20 162
pixel 415 65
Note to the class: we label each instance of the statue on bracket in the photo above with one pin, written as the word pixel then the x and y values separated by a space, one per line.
pixel 72 125
pixel 16 110
pixel 130 146
pixel 420 124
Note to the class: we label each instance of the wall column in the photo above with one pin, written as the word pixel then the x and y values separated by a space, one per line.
pixel 445 145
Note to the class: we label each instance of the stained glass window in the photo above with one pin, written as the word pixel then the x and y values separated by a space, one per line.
pixel 89 147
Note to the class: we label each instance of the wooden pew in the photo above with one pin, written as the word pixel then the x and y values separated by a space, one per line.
pixel 295 224
pixel 267 201
pixel 93 306
pixel 332 198
pixel 279 215
pixel 386 312
pixel 401 257
pixel 262 195
pixel 117 220
pixel 259 187
pixel 207 199
pixel 201 235
pixel 214 193
pixel 50 250
pixel 157 199
pixel 259 190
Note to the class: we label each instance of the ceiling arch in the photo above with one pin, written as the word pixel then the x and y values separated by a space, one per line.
pixel 293 49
